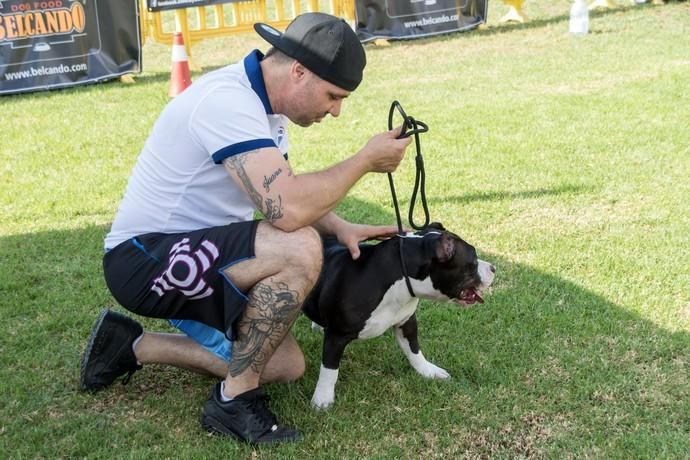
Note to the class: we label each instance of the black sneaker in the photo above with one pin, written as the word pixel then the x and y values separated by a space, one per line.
pixel 108 353
pixel 246 417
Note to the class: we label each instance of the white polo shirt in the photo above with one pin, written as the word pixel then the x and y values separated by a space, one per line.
pixel 178 183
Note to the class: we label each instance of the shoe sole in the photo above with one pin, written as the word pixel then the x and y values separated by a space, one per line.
pixel 214 426
pixel 87 352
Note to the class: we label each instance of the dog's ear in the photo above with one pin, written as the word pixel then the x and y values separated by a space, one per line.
pixel 435 226
pixel 443 247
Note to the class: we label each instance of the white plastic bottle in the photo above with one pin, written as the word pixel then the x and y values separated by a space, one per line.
pixel 579 18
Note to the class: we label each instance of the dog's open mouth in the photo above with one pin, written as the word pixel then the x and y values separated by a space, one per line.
pixel 469 296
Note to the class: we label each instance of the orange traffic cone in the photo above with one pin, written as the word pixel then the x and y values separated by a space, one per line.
pixel 179 74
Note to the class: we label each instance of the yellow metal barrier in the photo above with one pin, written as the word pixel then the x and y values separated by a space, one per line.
pixel 515 13
pixel 204 22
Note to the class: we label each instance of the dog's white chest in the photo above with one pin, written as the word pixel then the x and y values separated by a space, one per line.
pixel 395 308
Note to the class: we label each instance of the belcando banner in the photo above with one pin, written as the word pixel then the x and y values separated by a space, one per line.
pixel 403 19
pixel 160 5
pixel 60 43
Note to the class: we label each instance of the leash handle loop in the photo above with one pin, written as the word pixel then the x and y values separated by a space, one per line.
pixel 410 127
pixel 416 126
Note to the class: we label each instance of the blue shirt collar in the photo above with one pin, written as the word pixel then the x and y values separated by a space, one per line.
pixel 256 77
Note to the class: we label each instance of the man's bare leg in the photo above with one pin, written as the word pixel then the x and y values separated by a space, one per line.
pixel 286 267
pixel 286 364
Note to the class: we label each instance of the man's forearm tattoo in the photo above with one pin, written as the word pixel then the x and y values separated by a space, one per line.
pixel 272 208
pixel 272 309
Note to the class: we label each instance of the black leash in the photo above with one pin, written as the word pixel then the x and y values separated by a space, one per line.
pixel 410 127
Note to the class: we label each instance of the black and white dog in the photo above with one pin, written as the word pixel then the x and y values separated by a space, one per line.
pixel 361 299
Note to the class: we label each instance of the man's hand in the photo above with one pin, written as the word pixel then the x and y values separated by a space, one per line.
pixel 350 235
pixel 384 152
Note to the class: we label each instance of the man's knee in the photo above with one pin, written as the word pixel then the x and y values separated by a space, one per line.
pixel 301 250
pixel 307 251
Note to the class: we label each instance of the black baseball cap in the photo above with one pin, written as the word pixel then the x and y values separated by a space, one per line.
pixel 322 43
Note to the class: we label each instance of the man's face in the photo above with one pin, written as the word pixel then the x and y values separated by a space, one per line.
pixel 314 98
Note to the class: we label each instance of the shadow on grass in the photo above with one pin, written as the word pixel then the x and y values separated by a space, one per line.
pixel 543 358
pixel 499 195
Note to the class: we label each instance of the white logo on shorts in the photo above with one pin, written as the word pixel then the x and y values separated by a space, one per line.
pixel 192 265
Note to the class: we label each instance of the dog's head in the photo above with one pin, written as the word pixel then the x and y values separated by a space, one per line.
pixel 451 269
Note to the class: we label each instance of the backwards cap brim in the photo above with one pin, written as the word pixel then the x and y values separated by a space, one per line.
pixel 270 34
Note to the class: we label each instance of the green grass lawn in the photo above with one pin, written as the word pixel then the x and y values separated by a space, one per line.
pixel 565 161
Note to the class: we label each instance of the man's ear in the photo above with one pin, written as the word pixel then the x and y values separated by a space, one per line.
pixel 298 71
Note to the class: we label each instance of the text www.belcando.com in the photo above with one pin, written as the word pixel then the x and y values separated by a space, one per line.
pixel 431 20
pixel 45 70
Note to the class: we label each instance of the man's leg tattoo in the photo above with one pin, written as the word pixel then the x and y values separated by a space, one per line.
pixel 272 309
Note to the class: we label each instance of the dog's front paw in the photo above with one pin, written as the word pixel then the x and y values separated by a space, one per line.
pixel 322 401
pixel 432 371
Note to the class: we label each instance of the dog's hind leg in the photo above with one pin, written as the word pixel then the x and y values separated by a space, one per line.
pixel 333 347
pixel 406 336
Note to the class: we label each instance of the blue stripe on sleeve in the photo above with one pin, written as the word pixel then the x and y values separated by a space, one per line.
pixel 241 147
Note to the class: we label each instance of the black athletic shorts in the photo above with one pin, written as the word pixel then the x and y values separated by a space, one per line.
pixel 180 276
